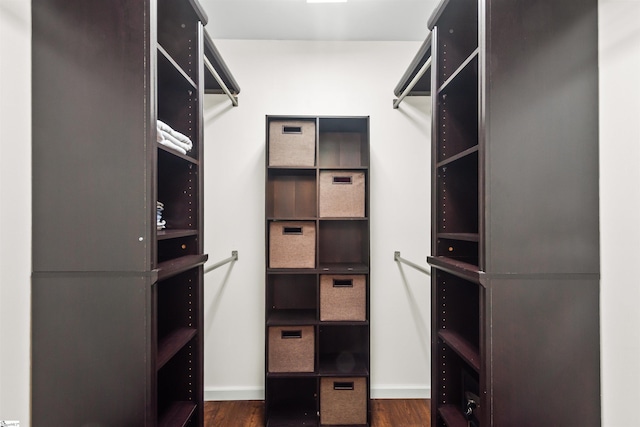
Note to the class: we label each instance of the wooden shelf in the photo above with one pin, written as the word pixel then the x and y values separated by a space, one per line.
pixel 461 155
pixel 292 375
pixel 165 59
pixel 462 347
pixel 457 268
pixel 173 152
pixel 174 234
pixel 171 344
pixel 465 67
pixel 343 218
pixel 292 317
pixel 178 415
pixel 467 237
pixel 452 416
pixel 175 266
pixel 347 268
pixel 287 418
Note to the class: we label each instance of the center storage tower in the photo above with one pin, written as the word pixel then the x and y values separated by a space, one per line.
pixel 317 278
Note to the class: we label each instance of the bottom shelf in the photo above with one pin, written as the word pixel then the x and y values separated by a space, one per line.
pixel 292 419
pixel 177 415
pixel 452 416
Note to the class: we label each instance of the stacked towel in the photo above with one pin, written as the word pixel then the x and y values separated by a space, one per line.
pixel 172 138
pixel 160 222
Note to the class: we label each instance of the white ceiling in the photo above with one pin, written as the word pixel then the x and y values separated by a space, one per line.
pixel 375 20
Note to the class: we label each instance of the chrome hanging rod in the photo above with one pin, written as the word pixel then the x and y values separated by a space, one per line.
pixel 233 257
pixel 412 83
pixel 232 97
pixel 398 258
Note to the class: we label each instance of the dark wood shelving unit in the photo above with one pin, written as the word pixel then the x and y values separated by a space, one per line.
pixel 514 254
pixel 117 312
pixel 337 261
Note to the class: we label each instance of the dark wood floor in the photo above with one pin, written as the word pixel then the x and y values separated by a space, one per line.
pixel 384 413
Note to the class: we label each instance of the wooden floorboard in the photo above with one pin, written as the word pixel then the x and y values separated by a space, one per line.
pixel 384 413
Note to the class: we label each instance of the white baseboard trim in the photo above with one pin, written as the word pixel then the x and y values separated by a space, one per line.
pixel 233 393
pixel 401 392
pixel 257 393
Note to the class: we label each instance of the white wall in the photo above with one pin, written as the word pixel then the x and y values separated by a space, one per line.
pixel 316 78
pixel 391 230
pixel 15 207
pixel 619 44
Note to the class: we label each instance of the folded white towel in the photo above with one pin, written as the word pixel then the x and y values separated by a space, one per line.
pixel 168 137
pixel 170 144
pixel 177 135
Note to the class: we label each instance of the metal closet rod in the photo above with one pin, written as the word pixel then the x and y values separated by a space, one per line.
pixel 412 83
pixel 398 258
pixel 233 257
pixel 232 97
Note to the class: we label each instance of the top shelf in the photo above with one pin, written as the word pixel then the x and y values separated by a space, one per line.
pixel 457 35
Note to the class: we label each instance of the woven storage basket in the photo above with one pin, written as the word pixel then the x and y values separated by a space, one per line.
pixel 343 297
pixel 343 401
pixel 342 194
pixel 291 349
pixel 292 244
pixel 292 143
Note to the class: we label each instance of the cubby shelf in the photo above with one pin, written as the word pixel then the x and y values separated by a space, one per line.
pixel 467 351
pixel 307 157
pixel 177 154
pixel 178 415
pixel 171 344
pixel 452 416
pixel 175 233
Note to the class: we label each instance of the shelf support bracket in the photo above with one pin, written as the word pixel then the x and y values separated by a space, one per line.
pixel 398 258
pixel 232 258
pixel 232 97
pixel 412 83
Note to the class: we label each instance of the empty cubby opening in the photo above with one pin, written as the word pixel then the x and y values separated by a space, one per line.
pixel 458 305
pixel 457 37
pixel 461 250
pixel 177 302
pixel 344 349
pixel 458 114
pixel 177 191
pixel 343 143
pixel 178 378
pixel 456 382
pixel 178 35
pixel 457 196
pixel 292 297
pixel 343 243
pixel 291 194
pixel 291 399
pixel 175 248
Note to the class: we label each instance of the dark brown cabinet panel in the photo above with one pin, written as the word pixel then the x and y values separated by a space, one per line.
pixel 515 281
pixel 317 278
pixel 117 277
